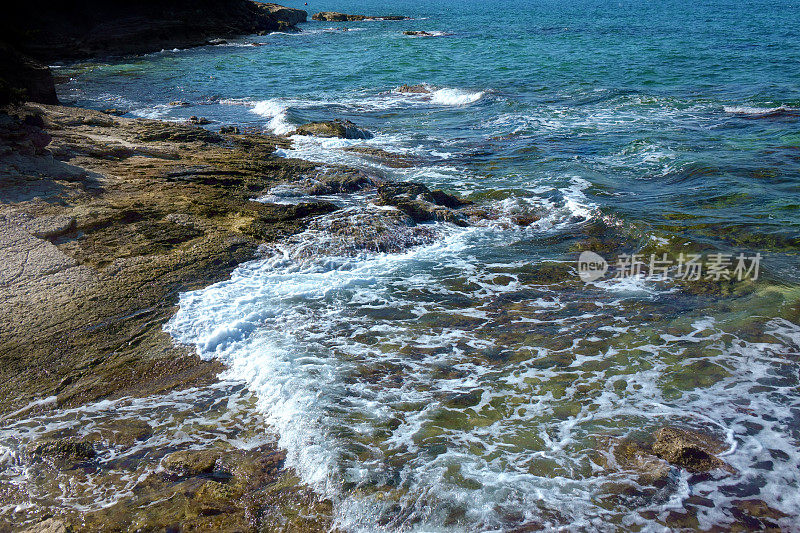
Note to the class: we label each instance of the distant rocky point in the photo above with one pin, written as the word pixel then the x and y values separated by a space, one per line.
pixel 33 34
pixel 334 16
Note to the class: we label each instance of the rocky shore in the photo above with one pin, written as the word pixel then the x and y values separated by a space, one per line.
pixel 34 34
pixel 103 222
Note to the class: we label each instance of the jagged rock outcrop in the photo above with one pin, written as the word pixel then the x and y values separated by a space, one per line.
pixel 691 450
pixel 344 129
pixel 335 16
pixel 64 30
pixel 420 203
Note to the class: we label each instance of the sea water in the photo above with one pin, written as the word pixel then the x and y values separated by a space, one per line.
pixel 468 379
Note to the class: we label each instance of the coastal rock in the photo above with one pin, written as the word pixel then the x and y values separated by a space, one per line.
pixel 390 159
pixel 24 78
pixel 333 16
pixel 615 454
pixel 104 28
pixel 51 525
pixel 338 180
pixel 64 451
pixel 230 130
pixel 343 129
pixel 191 462
pixel 121 432
pixel 418 33
pixel 200 121
pixel 691 450
pixel 420 203
pixel 414 89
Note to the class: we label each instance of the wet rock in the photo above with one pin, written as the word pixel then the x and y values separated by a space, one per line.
pixel 418 33
pixel 414 89
pixel 65 451
pixel 51 525
pixel 191 462
pixel 691 450
pixel 389 159
pixel 180 103
pixel 115 111
pixel 200 121
pixel 757 515
pixel 632 457
pixel 229 130
pixel 420 203
pixel 338 180
pixel 344 129
pixel 333 16
pixel 122 432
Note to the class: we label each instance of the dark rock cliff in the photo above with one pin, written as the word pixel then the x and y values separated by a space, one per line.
pixel 48 30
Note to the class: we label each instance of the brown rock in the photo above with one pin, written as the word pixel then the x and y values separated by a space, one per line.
pixel 333 16
pixel 414 89
pixel 691 450
pixel 192 462
pixel 343 129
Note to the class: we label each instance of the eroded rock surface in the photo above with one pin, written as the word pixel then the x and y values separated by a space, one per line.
pixel 688 449
pixel 343 129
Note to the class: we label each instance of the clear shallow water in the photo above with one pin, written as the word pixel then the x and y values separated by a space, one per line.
pixel 472 382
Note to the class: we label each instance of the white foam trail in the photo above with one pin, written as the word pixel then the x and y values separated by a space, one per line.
pixel 761 111
pixel 277 112
pixel 455 97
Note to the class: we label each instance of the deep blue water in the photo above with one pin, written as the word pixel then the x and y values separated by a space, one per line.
pixel 619 125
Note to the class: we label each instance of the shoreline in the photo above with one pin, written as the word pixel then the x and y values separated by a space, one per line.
pixel 106 220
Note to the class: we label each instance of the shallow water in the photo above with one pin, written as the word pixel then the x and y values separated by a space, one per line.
pixel 468 379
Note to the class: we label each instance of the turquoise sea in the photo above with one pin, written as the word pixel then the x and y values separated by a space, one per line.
pixel 473 381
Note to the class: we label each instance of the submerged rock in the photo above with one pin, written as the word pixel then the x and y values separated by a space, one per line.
pixel 420 33
pixel 390 159
pixel 420 203
pixel 691 450
pixel 66 451
pixel 191 462
pixel 51 525
pixel 338 180
pixel 344 129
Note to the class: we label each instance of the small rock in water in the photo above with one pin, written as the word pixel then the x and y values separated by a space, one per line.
pixel 180 103
pixel 413 89
pixel 66 451
pixel 200 121
pixel 344 129
pixel 191 462
pixel 333 16
pixel 230 130
pixel 51 525
pixel 420 203
pixel 691 450
pixel 418 33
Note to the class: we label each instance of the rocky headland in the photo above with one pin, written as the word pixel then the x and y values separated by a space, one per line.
pixel 34 34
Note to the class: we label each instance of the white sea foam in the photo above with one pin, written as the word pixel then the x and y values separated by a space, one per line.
pixel 276 111
pixel 758 112
pixel 455 97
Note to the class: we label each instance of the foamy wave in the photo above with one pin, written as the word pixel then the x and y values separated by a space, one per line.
pixel 760 112
pixel 277 111
pixel 455 97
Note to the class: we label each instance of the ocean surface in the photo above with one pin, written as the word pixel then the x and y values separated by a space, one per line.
pixel 471 380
